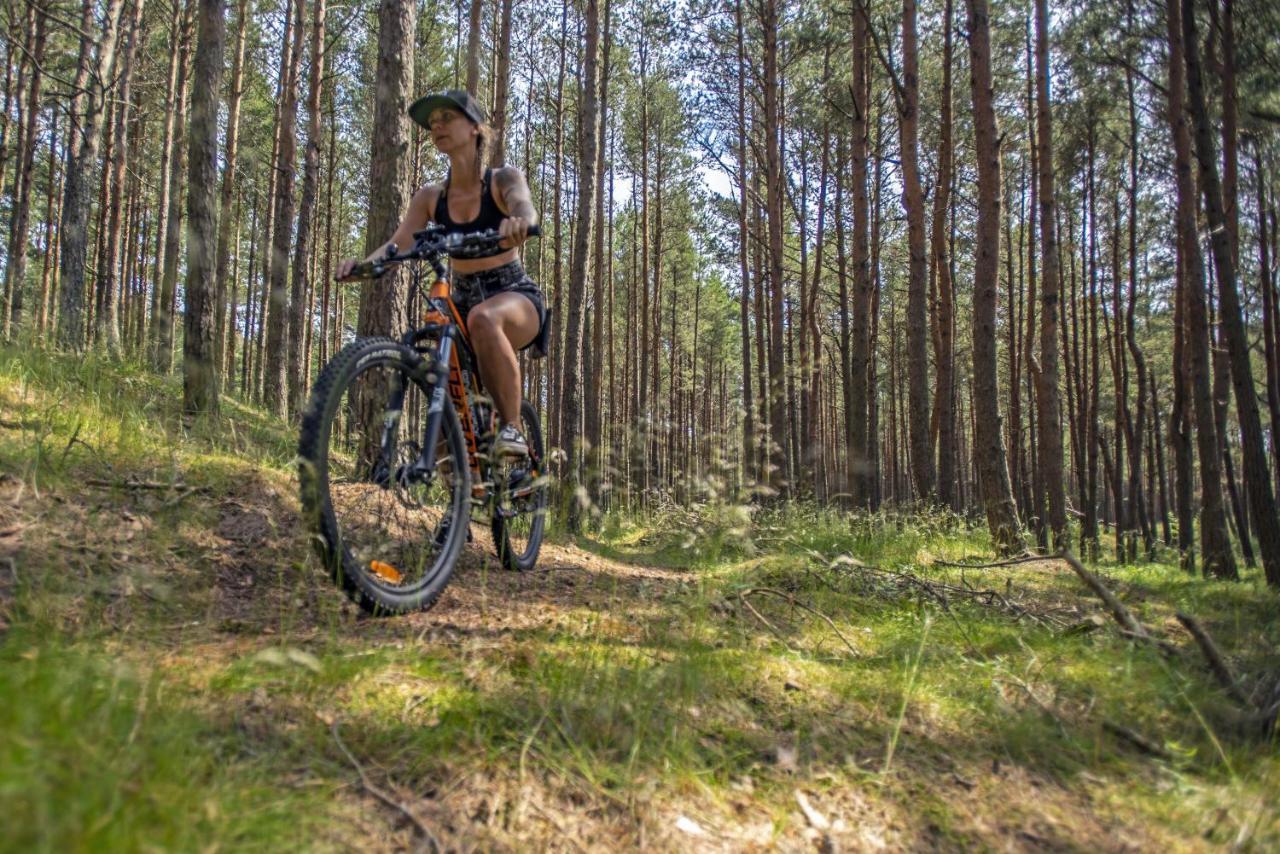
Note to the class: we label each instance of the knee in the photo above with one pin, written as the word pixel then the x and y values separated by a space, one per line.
pixel 484 325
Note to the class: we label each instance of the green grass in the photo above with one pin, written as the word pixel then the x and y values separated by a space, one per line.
pixel 173 671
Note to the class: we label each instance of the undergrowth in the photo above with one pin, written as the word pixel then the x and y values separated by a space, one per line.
pixel 178 674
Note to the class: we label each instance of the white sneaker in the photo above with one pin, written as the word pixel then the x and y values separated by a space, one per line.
pixel 510 443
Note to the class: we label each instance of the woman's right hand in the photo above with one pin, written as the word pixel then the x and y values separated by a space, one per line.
pixel 344 268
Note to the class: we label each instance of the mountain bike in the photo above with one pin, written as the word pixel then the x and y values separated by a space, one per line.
pixel 393 455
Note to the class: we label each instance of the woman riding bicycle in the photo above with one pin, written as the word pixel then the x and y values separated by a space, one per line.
pixel 502 307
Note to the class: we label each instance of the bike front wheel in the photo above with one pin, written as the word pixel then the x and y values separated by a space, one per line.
pixel 519 518
pixel 387 522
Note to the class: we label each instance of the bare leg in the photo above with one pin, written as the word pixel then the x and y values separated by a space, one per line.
pixel 499 326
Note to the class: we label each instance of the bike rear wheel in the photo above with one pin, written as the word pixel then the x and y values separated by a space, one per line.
pixel 387 529
pixel 519 517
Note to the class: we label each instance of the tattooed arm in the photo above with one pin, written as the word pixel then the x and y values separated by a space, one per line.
pixel 511 193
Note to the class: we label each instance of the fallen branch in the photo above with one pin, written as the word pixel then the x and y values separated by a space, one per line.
pixel 938 590
pixel 1217 663
pixel 1117 608
pixel 768 625
pixel 798 604
pixel 136 484
pixel 1026 558
pixel 1138 741
pixel 383 796
pixel 181 496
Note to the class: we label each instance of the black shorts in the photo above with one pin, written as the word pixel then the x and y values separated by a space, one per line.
pixel 471 289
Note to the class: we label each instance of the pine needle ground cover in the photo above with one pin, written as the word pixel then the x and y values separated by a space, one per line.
pixel 176 671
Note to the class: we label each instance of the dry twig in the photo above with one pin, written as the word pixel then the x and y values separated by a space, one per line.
pixel 798 604
pixel 768 625
pixel 383 796
pixel 1026 558
pixel 135 484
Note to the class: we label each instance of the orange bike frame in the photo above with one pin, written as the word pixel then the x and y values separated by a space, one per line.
pixel 457 388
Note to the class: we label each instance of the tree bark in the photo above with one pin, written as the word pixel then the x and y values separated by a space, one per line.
pixel 744 299
pixel 993 473
pixel 588 140
pixel 498 155
pixel 108 318
pixel 280 335
pixel 1215 544
pixel 773 176
pixel 168 285
pixel 1049 409
pixel 76 201
pixel 15 270
pixel 200 381
pixel 860 461
pixel 159 310
pixel 944 307
pixel 382 301
pixel 226 220
pixel 473 46
pixel 1256 471
pixel 922 469
pixel 300 316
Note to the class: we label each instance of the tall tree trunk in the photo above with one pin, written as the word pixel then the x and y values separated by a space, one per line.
pixel 773 175
pixel 300 316
pixel 1215 544
pixel 922 470
pixel 229 176
pixel 993 473
pixel 588 140
pixel 1049 407
pixel 1120 386
pixel 172 104
pixel 76 201
pixel 382 302
pixel 814 457
pixel 473 46
pixel 25 119
pixel 276 367
pixel 15 270
pixel 498 157
pixel 748 405
pixel 108 319
pixel 944 307
pixel 594 369
pixel 860 460
pixel 556 355
pixel 1138 435
pixel 200 381
pixel 50 224
pixel 1256 472
pixel 1269 311
pixel 168 286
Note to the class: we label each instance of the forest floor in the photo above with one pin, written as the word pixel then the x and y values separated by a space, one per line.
pixel 176 672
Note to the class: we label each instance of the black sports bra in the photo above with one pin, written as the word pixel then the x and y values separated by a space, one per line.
pixel 490 217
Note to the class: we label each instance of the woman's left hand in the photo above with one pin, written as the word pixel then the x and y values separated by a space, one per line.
pixel 514 231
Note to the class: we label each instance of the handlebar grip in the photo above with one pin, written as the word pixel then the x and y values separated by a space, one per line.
pixel 363 271
pixel 535 231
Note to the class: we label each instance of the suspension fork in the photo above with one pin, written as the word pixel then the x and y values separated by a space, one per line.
pixel 435 412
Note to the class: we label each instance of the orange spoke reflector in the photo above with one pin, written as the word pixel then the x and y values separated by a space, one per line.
pixel 386 571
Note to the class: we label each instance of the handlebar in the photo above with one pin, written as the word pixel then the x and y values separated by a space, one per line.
pixel 429 244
